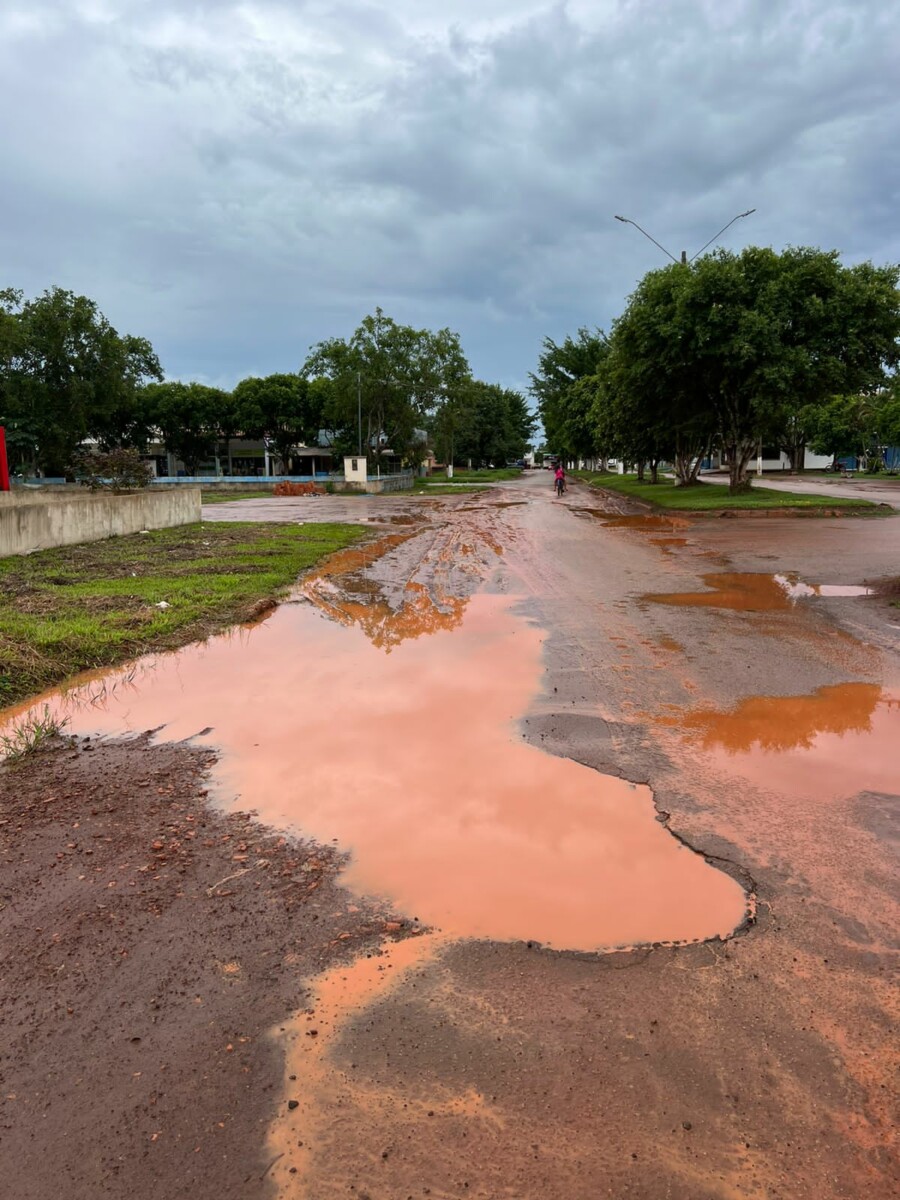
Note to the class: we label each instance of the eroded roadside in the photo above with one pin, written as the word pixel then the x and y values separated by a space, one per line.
pixel 149 946
pixel 758 1066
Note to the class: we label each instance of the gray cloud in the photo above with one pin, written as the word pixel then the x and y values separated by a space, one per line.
pixel 237 181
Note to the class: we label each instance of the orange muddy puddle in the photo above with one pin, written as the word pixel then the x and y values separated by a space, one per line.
pixel 666 543
pixel 833 743
pixel 413 762
pixel 753 593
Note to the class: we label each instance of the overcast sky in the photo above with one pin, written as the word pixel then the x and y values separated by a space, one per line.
pixel 236 181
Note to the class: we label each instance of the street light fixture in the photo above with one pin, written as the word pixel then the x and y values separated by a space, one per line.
pixel 684 258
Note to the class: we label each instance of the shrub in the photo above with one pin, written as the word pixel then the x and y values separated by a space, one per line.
pixel 113 470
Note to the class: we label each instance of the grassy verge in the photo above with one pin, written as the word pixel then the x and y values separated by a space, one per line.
pixel 492 475
pixel 210 497
pixel 706 497
pixel 424 487
pixel 77 607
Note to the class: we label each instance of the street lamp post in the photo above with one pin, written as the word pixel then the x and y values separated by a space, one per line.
pixel 684 258
pixel 359 411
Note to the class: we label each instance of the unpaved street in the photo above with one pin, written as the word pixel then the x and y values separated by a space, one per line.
pixel 626 786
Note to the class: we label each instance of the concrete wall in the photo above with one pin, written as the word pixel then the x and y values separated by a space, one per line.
pixel 244 482
pixel 40 519
pixel 374 485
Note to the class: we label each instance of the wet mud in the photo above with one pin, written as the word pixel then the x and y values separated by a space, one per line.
pixel 149 944
pixel 313 1084
pixel 758 1066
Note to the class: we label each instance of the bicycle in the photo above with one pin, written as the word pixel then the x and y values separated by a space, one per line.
pixel 560 485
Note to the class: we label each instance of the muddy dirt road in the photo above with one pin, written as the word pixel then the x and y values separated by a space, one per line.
pixel 627 787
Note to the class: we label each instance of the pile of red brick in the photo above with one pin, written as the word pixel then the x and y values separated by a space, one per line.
pixel 298 489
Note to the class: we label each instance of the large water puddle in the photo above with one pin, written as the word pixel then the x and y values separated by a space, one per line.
pixel 413 761
pixel 754 593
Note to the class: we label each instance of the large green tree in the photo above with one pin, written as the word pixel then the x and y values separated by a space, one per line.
pixel 285 410
pixel 187 416
pixel 652 400
pixel 746 345
pixel 67 375
pixel 492 425
pixel 565 409
pixel 386 380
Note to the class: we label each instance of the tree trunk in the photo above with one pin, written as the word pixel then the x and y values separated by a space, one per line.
pixel 796 452
pixel 640 471
pixel 654 470
pixel 738 459
pixel 688 458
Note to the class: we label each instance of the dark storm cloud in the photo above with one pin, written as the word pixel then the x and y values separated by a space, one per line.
pixel 238 181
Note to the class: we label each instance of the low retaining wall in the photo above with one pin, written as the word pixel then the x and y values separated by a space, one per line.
pixel 374 485
pixel 63 516
pixel 224 483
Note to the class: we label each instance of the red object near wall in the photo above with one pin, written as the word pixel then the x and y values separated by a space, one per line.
pixel 4 465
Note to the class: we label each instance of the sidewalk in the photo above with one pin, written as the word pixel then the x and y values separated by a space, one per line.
pixel 863 489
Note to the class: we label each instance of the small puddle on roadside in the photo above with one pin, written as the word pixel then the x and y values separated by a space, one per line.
pixel 666 543
pixel 753 593
pixel 645 522
pixel 641 522
pixel 412 762
pixel 833 742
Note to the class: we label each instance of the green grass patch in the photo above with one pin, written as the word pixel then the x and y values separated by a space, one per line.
pixel 423 487
pixel 486 475
pixel 76 607
pixel 217 497
pixel 707 497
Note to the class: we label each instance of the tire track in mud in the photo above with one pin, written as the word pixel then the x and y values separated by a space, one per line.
pixel 395 587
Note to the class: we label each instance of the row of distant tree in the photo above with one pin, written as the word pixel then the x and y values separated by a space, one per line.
pixel 68 378
pixel 728 353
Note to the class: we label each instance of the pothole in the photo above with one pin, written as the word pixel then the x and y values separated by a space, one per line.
pixel 413 762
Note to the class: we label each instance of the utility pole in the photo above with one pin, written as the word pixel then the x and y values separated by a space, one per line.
pixel 359 410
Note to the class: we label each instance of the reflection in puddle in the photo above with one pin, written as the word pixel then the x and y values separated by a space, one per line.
pixel 753 593
pixel 384 626
pixel 412 761
pixel 797 589
pixel 832 744
pixel 779 723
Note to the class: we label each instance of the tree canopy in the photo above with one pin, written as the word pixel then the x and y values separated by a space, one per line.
pixel 732 349
pixel 385 381
pixel 484 423
pixel 65 375
pixel 565 408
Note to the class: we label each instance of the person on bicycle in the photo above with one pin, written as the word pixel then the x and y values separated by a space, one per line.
pixel 560 480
